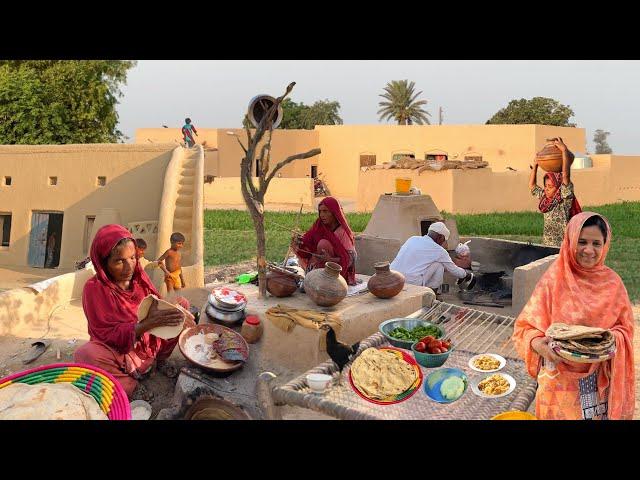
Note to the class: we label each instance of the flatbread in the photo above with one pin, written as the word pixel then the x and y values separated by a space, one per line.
pixel 162 332
pixel 562 331
pixel 48 401
pixel 380 374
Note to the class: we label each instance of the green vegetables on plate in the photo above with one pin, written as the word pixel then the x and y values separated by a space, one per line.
pixel 452 388
pixel 415 334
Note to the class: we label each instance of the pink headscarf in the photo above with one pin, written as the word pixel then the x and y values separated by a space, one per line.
pixel 112 312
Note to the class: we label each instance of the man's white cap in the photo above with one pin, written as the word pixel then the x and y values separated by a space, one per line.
pixel 440 228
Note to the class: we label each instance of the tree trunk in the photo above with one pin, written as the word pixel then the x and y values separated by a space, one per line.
pixel 258 221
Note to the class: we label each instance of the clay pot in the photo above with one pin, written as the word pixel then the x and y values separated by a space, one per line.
pixel 281 284
pixel 386 283
pixel 550 158
pixel 326 287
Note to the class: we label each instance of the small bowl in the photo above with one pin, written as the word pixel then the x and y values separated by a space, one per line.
pixel 407 324
pixel 140 410
pixel 434 381
pixel 318 382
pixel 430 360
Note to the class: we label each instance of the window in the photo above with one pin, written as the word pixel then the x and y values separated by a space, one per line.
pixel 102 181
pixel 53 180
pixel 7 181
pixel 367 160
pixel 400 156
pixel 88 228
pixel 314 171
pixel 436 157
pixel 5 228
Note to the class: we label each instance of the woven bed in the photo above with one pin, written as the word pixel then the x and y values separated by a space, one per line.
pixel 342 402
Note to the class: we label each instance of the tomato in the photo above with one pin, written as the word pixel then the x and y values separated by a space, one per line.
pixel 427 339
pixel 420 347
pixel 436 350
pixel 444 349
pixel 433 343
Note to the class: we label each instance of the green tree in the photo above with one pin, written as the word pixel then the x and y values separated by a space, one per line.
pixel 538 110
pixel 301 116
pixel 401 105
pixel 322 112
pixel 600 139
pixel 61 101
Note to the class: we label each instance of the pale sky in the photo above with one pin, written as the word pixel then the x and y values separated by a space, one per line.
pixel 215 93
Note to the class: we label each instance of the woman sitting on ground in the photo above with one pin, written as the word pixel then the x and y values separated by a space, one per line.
pixel 578 289
pixel 329 239
pixel 557 201
pixel 119 343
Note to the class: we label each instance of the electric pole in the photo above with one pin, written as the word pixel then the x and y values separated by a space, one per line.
pixel 440 116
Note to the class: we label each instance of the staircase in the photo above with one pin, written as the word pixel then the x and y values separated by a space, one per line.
pixel 181 210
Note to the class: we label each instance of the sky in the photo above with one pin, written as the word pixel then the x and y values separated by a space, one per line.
pixel 215 94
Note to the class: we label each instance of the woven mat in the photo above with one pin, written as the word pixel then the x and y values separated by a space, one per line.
pixel 342 402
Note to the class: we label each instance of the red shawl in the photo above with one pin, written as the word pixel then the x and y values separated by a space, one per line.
pixel 111 311
pixel 319 231
pixel 547 204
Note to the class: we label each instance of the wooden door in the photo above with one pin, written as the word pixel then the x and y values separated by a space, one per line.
pixel 38 239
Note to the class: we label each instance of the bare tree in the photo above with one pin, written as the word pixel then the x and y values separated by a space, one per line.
pixel 254 196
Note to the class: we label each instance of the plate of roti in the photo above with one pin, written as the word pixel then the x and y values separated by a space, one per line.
pixel 385 375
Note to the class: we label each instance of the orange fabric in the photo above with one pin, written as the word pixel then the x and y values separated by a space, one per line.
pixel 594 297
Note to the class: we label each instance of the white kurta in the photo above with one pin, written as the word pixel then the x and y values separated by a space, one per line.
pixel 422 261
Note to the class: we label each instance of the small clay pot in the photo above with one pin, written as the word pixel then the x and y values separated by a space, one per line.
pixel 281 284
pixel 325 286
pixel 550 158
pixel 385 283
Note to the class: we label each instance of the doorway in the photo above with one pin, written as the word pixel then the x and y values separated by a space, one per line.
pixel 45 239
pixel 314 171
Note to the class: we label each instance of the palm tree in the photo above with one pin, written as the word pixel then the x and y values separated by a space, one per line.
pixel 400 104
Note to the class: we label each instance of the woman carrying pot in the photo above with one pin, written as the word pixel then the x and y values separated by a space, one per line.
pixel 558 203
pixel 578 289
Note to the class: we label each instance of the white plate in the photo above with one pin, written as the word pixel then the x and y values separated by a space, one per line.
pixel 474 385
pixel 502 361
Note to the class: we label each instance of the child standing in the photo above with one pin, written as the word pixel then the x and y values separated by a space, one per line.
pixel 187 131
pixel 173 268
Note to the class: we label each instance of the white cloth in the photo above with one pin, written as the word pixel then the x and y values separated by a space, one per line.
pixel 417 254
pixel 433 276
pixel 441 228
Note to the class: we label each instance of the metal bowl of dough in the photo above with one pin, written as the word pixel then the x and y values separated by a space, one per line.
pixel 223 317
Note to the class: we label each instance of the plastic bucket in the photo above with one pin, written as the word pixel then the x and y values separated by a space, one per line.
pixel 403 184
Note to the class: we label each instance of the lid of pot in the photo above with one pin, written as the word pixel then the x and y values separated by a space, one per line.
pixel 252 320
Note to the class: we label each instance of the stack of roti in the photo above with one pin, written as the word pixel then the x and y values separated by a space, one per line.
pixel 581 340
pixel 380 374
pixel 48 401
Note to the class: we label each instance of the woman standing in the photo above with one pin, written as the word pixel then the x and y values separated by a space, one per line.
pixel 557 201
pixel 578 289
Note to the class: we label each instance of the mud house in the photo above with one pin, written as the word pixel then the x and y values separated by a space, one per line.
pixel 349 152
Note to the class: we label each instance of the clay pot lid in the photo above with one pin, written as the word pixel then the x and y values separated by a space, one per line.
pixel 252 320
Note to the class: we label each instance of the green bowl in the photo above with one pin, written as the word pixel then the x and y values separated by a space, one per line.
pixel 430 360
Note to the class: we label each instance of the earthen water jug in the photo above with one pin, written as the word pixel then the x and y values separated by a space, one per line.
pixel 325 286
pixel 386 283
pixel 281 284
pixel 550 158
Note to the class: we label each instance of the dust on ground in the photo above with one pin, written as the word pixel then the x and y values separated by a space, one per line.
pixel 228 273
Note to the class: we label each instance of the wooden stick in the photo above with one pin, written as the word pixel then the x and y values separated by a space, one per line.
pixel 286 257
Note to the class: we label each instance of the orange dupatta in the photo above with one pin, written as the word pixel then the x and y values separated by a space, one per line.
pixel 595 297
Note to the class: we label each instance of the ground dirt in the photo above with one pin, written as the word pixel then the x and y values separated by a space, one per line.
pixel 13 349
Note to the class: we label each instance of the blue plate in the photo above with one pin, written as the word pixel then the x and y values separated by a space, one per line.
pixel 433 382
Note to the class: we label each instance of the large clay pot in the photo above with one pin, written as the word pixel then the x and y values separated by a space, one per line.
pixel 550 158
pixel 386 283
pixel 281 284
pixel 325 286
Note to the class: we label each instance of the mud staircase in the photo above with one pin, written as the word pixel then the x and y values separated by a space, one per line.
pixel 181 210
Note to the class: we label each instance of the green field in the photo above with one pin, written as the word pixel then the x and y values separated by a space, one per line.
pixel 229 235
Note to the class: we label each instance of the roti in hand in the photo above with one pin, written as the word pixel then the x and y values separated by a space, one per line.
pixel 166 332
